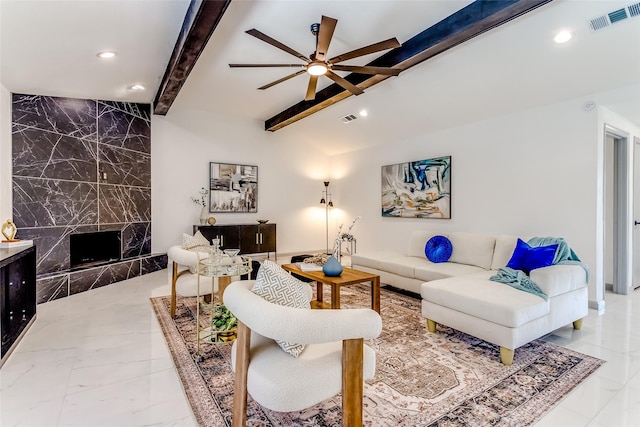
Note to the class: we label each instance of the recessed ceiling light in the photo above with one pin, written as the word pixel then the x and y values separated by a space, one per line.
pixel 562 37
pixel 106 54
pixel 363 113
pixel 136 87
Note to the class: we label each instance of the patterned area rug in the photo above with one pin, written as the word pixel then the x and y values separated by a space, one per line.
pixel 422 379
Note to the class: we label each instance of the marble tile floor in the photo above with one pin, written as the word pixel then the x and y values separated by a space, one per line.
pixel 99 359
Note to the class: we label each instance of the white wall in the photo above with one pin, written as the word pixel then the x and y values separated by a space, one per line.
pixel 527 173
pixel 290 177
pixel 6 207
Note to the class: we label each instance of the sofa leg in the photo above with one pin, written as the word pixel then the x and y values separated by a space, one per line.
pixel 577 324
pixel 431 326
pixel 506 356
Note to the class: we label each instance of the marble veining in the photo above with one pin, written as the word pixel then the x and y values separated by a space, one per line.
pixel 124 167
pixel 61 147
pixel 52 288
pixel 142 111
pixel 92 278
pixel 52 246
pixel 154 263
pixel 51 155
pixel 136 239
pixel 118 203
pixel 67 116
pixel 48 202
pixel 123 130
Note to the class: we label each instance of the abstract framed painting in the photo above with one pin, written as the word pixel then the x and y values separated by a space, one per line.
pixel 233 188
pixel 419 189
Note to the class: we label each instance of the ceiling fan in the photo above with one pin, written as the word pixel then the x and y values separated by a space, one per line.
pixel 317 63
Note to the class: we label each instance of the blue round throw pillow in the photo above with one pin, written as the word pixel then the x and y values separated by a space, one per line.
pixel 438 249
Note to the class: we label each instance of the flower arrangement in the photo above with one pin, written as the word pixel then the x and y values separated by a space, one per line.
pixel 346 236
pixel 200 201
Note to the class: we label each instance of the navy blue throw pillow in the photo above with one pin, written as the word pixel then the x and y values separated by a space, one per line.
pixel 527 258
pixel 438 249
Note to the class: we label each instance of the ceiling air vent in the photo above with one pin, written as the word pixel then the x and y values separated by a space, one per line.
pixel 614 16
pixel 348 118
pixel 617 15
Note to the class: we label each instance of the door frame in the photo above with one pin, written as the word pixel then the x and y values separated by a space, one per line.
pixel 623 209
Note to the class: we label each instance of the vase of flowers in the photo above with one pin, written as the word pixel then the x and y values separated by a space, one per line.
pixel 201 201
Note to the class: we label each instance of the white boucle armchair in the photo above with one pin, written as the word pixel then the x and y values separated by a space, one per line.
pixel 181 260
pixel 335 358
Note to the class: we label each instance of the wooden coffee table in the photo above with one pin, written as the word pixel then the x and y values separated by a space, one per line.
pixel 348 277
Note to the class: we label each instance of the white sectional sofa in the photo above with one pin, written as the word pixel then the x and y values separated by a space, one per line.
pixel 459 294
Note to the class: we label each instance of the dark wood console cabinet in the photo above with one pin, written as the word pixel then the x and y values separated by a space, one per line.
pixel 249 238
pixel 17 295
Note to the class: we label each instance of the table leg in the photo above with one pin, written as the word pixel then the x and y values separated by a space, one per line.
pixel 335 296
pixel 375 294
pixel 319 291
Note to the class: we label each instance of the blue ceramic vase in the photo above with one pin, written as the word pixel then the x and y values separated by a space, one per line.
pixel 332 267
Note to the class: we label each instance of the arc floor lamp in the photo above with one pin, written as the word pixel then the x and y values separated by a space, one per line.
pixel 328 203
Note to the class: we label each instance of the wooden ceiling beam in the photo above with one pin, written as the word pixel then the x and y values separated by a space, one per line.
pixel 200 21
pixel 465 24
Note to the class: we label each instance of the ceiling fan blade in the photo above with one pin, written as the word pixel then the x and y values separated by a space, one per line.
pixel 264 65
pixel 265 38
pixel 311 89
pixel 368 70
pixel 376 47
pixel 327 27
pixel 345 84
pixel 290 76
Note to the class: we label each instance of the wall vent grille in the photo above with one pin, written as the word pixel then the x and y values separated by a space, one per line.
pixel 348 118
pixel 634 9
pixel 614 17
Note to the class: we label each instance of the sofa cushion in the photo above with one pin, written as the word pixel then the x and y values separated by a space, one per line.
pixel 438 249
pixel 559 279
pixel 373 259
pixel 472 249
pixel 492 301
pixel 527 258
pixel 403 265
pixel 417 241
pixel 428 270
pixel 504 248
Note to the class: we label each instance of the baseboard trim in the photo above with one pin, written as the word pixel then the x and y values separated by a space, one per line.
pixel 598 306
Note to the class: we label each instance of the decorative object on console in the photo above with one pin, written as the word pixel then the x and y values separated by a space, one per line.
pixel 420 189
pixel 201 201
pixel 262 221
pixel 9 231
pixel 438 249
pixel 328 203
pixel 233 188
pixel 211 220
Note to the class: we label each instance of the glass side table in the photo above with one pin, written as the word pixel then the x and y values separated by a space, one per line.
pixel 222 271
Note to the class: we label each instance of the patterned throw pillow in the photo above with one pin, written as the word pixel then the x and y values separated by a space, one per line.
pixel 279 287
pixel 195 243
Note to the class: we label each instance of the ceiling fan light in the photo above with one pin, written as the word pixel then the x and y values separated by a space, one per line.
pixel 317 69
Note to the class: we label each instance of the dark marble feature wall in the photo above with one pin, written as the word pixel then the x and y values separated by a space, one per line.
pixel 81 165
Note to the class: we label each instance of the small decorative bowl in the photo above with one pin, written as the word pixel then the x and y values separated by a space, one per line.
pixel 262 221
